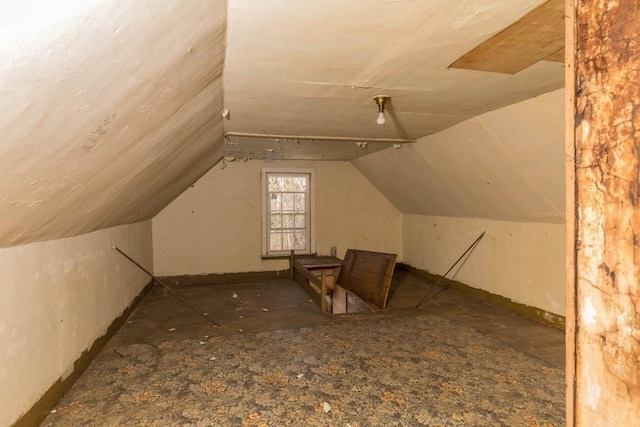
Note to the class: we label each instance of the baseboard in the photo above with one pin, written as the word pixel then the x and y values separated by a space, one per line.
pixel 52 396
pixel 551 319
pixel 224 278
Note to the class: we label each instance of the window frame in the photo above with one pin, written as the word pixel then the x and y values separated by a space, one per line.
pixel 310 222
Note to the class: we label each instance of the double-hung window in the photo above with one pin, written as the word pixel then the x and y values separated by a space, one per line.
pixel 287 208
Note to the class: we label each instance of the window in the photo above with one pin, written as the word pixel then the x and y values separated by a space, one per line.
pixel 287 208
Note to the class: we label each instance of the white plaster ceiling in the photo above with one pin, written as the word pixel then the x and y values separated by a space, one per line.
pixel 110 109
pixel 312 67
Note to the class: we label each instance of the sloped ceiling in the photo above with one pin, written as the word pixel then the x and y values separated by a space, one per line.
pixel 312 67
pixel 109 110
pixel 507 164
pixel 536 36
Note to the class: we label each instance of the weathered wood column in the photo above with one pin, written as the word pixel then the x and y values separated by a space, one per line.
pixel 604 251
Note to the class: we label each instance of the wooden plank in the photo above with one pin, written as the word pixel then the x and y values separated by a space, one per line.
pixel 307 274
pixel 570 226
pixel 303 278
pixel 536 36
pixel 323 292
pixel 607 212
pixel 330 276
pixel 316 282
pixel 292 258
pixel 363 273
pixel 368 275
pixel 347 265
pixel 319 262
pixel 360 276
pixel 556 56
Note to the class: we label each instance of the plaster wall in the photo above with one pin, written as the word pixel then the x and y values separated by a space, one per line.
pixel 504 165
pixel 518 260
pixel 215 226
pixel 56 298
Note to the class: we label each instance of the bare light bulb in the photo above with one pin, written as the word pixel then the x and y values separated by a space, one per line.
pixel 381 120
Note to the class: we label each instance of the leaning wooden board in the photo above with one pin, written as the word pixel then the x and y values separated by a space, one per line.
pixel 368 275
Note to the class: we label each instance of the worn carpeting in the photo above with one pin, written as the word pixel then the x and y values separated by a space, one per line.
pixel 408 369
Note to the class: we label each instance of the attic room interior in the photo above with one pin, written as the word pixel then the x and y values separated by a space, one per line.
pixel 162 159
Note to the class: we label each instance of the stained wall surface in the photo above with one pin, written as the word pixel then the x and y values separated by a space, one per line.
pixel 521 261
pixel 109 110
pixel 215 226
pixel 502 171
pixel 56 298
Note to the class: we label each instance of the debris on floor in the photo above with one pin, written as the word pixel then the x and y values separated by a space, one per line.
pixel 254 373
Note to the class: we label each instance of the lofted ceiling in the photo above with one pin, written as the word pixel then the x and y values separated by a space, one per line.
pixel 109 110
pixel 507 164
pixel 313 67
pixel 112 108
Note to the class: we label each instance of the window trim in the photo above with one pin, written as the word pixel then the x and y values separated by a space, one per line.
pixel 312 210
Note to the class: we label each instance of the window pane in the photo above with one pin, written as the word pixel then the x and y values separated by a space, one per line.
pixel 276 221
pixel 300 240
pixel 297 184
pixel 275 241
pixel 287 240
pixel 299 202
pixel 288 201
pixel 276 183
pixel 275 202
pixel 287 183
pixel 287 221
pixel 300 221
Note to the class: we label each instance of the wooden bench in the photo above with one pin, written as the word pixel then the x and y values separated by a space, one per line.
pixel 359 283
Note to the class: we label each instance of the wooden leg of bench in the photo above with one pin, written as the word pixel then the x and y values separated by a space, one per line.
pixel 291 261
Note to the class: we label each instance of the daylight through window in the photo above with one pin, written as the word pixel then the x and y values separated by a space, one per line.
pixel 287 213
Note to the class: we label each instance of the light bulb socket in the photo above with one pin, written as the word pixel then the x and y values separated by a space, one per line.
pixel 381 100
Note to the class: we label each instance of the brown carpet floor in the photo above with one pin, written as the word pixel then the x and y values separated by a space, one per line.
pixel 405 369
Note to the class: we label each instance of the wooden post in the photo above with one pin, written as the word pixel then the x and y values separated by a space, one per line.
pixel 291 261
pixel 570 226
pixel 606 279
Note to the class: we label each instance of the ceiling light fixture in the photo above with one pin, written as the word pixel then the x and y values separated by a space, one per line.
pixel 381 100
